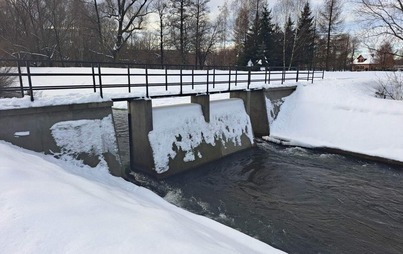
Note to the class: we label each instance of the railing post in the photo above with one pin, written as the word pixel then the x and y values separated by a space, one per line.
pixel 265 74
pixel 296 80
pixel 229 79
pixel 236 76
pixel 181 81
pixel 20 78
pixel 100 80
pixel 249 77
pixel 213 77
pixel 323 74
pixel 307 78
pixel 147 91
pixel 93 78
pixel 269 75
pixel 313 74
pixel 128 78
pixel 283 76
pixel 193 78
pixel 207 90
pixel 166 78
pixel 31 93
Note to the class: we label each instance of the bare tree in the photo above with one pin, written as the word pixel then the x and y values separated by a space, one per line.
pixel 286 10
pixel 161 7
pixel 391 87
pixel 223 24
pixel 31 34
pixel 201 27
pixel 5 80
pixel 329 21
pixel 241 28
pixel 179 22
pixel 128 16
pixel 384 16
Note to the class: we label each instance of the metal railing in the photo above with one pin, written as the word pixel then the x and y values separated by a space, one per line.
pixel 152 80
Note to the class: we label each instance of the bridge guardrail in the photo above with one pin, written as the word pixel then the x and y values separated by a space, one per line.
pixel 98 76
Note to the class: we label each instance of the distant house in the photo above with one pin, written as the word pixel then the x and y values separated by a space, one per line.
pixel 362 63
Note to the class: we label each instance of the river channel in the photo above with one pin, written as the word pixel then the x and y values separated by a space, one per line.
pixel 297 200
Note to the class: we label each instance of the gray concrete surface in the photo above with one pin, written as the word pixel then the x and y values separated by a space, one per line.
pixel 140 124
pixel 255 105
pixel 204 101
pixel 35 124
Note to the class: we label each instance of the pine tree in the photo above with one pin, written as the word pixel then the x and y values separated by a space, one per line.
pixel 288 42
pixel 305 38
pixel 266 38
pixel 251 47
pixel 277 55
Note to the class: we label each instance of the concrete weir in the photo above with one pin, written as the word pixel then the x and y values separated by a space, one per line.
pixel 56 130
pixel 180 137
pixel 146 152
pixel 163 140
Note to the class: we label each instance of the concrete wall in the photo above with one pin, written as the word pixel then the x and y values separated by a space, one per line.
pixel 30 128
pixel 142 155
pixel 274 99
pixel 210 153
pixel 255 106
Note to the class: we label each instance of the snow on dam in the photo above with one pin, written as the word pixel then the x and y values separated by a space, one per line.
pixel 164 140
pixel 170 139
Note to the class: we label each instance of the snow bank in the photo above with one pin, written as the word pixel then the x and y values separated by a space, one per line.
pixel 53 206
pixel 188 129
pixel 342 112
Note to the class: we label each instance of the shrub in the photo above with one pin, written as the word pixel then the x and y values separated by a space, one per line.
pixel 5 81
pixel 391 87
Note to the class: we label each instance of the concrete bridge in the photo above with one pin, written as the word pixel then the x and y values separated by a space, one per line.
pixel 36 129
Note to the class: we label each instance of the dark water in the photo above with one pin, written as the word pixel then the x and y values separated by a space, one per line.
pixel 297 200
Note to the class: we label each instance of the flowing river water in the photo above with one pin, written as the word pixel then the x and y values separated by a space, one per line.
pixel 297 200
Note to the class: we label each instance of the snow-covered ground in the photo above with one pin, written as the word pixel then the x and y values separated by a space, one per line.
pixel 58 206
pixel 342 112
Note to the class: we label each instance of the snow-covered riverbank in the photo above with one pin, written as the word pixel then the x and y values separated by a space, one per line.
pixel 55 206
pixel 342 112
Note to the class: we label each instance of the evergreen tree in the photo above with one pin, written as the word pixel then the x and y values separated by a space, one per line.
pixel 266 38
pixel 276 58
pixel 251 47
pixel 288 42
pixel 305 38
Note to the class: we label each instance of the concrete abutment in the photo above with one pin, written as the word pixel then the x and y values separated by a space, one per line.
pixel 35 129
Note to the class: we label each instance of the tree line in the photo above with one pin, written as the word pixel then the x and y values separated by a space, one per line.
pixel 242 32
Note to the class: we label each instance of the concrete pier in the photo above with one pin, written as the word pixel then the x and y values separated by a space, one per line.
pixel 255 105
pixel 204 101
pixel 140 124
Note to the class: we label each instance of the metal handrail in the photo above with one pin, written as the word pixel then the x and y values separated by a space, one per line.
pixel 235 76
